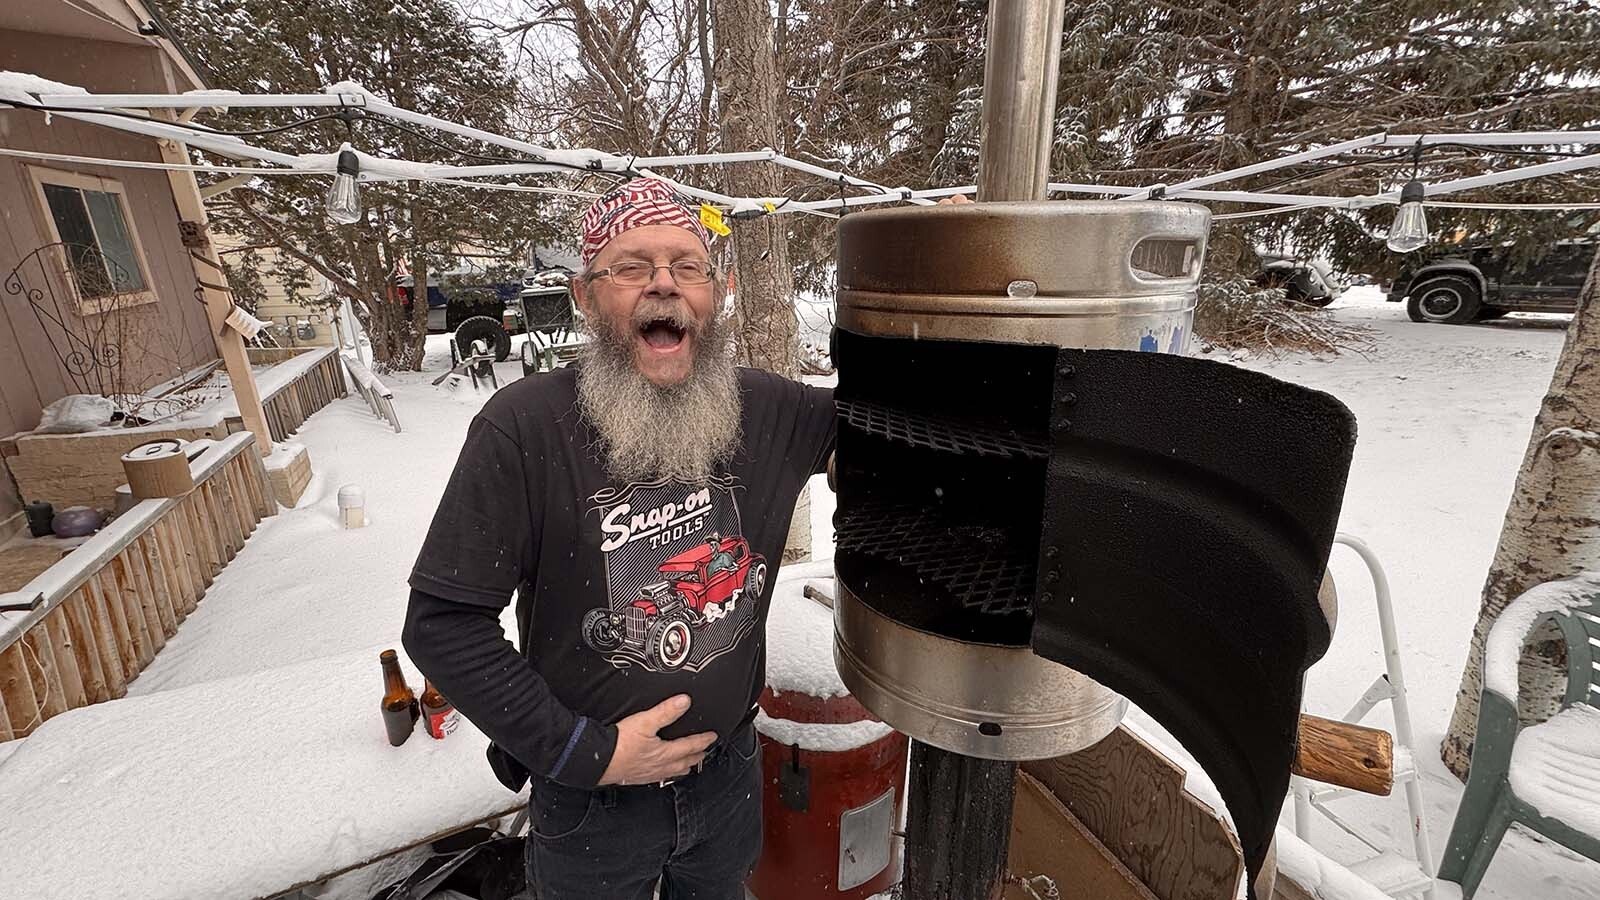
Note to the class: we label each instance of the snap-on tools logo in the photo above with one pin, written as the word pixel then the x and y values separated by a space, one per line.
pixel 682 583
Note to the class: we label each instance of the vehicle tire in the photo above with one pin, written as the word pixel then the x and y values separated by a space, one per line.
pixel 483 328
pixel 754 580
pixel 1447 299
pixel 599 633
pixel 667 644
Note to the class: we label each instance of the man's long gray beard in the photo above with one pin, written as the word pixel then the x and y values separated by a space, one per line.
pixel 648 432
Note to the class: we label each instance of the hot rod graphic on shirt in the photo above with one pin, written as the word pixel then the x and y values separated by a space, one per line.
pixel 699 596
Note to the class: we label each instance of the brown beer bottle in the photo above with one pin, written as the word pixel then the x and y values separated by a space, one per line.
pixel 400 710
pixel 439 717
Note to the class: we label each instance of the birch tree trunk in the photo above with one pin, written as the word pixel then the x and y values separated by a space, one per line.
pixel 1551 529
pixel 764 320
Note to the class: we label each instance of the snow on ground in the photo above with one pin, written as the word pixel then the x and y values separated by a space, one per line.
pixel 1444 414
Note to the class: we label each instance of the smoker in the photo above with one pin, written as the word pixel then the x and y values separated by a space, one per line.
pixel 948 319
pixel 1044 506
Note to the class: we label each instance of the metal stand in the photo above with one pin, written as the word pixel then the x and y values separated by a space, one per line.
pixel 1390 686
pixel 958 825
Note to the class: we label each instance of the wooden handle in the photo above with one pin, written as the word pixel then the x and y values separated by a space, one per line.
pixel 1345 755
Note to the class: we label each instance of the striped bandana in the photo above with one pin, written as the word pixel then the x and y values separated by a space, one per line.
pixel 640 202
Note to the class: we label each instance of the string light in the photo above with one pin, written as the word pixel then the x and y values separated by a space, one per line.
pixel 344 198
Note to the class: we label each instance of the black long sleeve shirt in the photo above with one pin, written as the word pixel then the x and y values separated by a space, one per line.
pixel 627 593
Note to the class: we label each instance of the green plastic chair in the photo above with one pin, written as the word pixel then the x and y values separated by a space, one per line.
pixel 1546 776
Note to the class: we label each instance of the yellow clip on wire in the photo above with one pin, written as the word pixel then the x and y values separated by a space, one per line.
pixel 711 218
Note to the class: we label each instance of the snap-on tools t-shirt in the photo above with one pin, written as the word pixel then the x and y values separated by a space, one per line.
pixel 627 593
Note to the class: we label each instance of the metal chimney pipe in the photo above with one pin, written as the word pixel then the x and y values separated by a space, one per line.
pixel 958 817
pixel 1021 64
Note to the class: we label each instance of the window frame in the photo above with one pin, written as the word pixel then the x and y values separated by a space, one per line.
pixel 92 306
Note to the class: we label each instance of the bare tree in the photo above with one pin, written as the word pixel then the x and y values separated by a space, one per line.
pixel 1551 530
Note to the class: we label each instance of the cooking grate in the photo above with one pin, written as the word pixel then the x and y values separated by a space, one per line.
pixel 941 433
pixel 981 566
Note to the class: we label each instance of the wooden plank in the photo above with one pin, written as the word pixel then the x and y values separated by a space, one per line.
pixel 160 581
pixel 1048 840
pixel 217 521
pixel 127 593
pixel 238 515
pixel 134 565
pixel 248 506
pixel 1132 798
pixel 61 645
pixel 247 477
pixel 244 506
pixel 16 686
pixel 44 671
pixel 180 567
pixel 107 639
pixel 85 647
pixel 106 587
pixel 199 538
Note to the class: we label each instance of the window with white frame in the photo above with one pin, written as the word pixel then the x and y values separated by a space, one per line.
pixel 90 217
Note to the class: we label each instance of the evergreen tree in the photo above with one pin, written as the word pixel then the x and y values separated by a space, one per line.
pixel 417 54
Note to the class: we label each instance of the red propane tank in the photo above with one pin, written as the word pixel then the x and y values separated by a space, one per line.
pixel 834 778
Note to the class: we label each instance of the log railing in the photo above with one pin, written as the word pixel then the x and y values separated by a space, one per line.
pixel 291 391
pixel 99 616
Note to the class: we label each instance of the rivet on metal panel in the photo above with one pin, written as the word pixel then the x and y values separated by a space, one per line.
pixel 1053 576
pixel 1046 597
pixel 1066 371
pixel 1067 399
pixel 1052 552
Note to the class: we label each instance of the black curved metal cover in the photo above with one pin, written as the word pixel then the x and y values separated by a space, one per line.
pixel 1189 510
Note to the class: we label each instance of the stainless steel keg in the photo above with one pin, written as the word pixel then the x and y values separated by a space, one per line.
pixel 1101 275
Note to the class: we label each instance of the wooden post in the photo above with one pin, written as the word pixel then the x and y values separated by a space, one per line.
pixel 958 825
pixel 218 299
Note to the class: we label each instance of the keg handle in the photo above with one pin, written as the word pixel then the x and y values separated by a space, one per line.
pixel 1166 257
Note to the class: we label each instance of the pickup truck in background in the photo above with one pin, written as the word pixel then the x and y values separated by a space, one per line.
pixel 1473 284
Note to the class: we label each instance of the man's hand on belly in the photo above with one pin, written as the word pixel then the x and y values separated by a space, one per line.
pixel 643 758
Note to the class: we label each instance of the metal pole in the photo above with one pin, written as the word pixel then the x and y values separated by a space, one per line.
pixel 958 813
pixel 1020 68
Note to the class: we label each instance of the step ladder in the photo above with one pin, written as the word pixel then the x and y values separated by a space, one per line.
pixel 1390 872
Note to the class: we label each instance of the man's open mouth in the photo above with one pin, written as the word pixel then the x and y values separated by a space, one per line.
pixel 662 334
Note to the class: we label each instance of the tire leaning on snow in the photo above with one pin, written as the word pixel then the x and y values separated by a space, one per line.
pixel 1446 299
pixel 485 329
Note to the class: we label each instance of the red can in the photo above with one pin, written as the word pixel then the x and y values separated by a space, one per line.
pixel 834 791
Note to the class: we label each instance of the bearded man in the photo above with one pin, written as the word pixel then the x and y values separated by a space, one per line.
pixel 600 494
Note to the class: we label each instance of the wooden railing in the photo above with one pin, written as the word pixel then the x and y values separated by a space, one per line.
pixel 100 615
pixel 291 391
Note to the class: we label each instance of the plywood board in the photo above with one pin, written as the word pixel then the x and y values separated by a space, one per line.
pixel 1048 840
pixel 1132 798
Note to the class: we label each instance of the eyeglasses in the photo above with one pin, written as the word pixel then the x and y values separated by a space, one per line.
pixel 686 272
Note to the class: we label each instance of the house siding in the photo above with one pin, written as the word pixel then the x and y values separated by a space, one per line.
pixel 172 333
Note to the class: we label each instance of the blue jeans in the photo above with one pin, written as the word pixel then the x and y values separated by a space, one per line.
pixel 699 836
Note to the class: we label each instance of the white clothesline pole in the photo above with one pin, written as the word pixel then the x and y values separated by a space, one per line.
pixel 204 100
pixel 1266 165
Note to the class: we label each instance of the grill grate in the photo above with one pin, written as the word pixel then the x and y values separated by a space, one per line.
pixel 940 433
pixel 981 566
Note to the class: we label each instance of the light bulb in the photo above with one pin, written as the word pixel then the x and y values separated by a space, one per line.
pixel 344 198
pixel 1410 229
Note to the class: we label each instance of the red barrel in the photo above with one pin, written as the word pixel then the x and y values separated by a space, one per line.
pixel 834 780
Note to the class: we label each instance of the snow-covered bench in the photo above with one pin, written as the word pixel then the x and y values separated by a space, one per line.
pixel 1546 776
pixel 243 787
